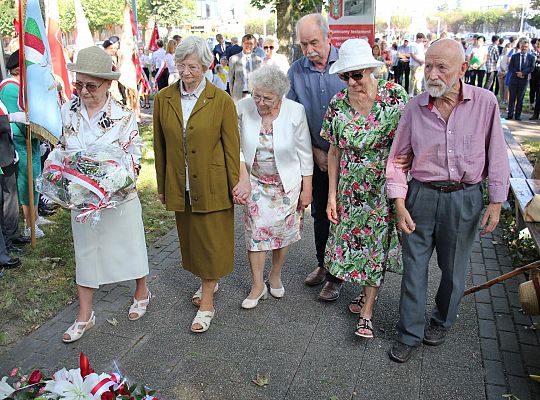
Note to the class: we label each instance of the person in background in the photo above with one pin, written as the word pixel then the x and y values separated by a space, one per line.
pixel 111 47
pixel 220 48
pixel 146 64
pixel 379 72
pixel 477 61
pixel 417 64
pixel 220 78
pixel 9 95
pixel 240 66
pixel 177 39
pixel 387 57
pixel 275 176
pixel 534 84
pixel 258 49
pixel 403 65
pixel 102 253
pixel 270 47
pixel 197 153
pixel 440 207
pixel 169 62
pixel 158 59
pixel 233 49
pixel 502 71
pixel 521 64
pixel 491 64
pixel 313 87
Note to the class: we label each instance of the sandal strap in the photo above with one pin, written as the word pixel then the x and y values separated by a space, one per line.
pixel 203 318
pixel 364 323
pixel 360 300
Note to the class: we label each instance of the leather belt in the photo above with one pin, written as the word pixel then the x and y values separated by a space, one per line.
pixel 445 187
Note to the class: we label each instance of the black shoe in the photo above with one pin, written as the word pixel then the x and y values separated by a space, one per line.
pixel 509 116
pixel 401 352
pixel 12 263
pixel 434 335
pixel 534 116
pixel 20 241
pixel 518 118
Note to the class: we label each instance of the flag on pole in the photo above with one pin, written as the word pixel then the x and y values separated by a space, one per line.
pixel 153 40
pixel 128 60
pixel 84 37
pixel 41 94
pixel 54 36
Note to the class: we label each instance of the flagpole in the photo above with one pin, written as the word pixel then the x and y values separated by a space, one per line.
pixel 22 68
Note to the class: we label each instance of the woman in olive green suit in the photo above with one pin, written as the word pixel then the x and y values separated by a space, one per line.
pixel 197 152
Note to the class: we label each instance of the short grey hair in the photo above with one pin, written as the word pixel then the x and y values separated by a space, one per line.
pixel 197 46
pixel 316 18
pixel 271 78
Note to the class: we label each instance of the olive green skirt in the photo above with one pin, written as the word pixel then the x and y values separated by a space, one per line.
pixel 206 242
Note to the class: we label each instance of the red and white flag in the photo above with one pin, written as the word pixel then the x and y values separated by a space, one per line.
pixel 128 60
pixel 54 36
pixel 84 37
pixel 153 40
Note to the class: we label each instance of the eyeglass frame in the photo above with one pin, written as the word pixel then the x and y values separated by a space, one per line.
pixel 85 86
pixel 345 76
pixel 268 47
pixel 261 99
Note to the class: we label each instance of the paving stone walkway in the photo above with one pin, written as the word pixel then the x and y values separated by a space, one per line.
pixel 307 347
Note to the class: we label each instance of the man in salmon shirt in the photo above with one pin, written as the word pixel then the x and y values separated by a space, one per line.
pixel 454 134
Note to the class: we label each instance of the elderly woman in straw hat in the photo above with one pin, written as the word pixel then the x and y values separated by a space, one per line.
pixel 197 150
pixel 114 249
pixel 270 47
pixel 360 125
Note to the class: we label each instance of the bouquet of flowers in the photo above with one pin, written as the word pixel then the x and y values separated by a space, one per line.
pixel 76 384
pixel 88 180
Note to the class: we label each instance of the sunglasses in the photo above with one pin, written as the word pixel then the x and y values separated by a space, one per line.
pixel 91 87
pixel 355 75
pixel 268 47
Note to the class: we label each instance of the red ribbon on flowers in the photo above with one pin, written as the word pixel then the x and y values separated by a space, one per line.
pixel 102 386
pixel 84 364
pixel 91 208
pixel 125 145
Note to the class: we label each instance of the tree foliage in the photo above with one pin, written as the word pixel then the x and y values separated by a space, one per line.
pixel 172 13
pixel 7 13
pixel 493 20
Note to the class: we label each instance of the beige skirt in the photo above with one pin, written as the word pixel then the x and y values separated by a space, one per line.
pixel 206 242
pixel 114 249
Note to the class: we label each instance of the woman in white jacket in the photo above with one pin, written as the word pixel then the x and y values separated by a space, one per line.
pixel 275 176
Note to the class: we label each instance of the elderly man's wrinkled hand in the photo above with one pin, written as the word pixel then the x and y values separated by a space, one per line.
pixel 321 159
pixel 405 222
pixel 490 218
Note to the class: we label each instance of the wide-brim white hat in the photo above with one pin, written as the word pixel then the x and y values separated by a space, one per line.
pixel 354 54
pixel 94 61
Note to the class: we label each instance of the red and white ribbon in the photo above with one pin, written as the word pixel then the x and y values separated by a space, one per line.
pixel 91 208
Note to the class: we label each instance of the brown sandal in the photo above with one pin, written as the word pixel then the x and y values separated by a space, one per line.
pixel 364 328
pixel 356 304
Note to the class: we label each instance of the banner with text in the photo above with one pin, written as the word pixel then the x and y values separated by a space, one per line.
pixel 349 19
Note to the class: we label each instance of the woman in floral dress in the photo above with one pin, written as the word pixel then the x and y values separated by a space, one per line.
pixel 275 176
pixel 360 124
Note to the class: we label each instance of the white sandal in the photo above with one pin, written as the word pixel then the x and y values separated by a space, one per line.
pixel 139 307
pixel 76 331
pixel 203 318
pixel 198 295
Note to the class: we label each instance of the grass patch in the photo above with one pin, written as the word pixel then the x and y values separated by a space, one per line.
pixel 531 149
pixel 45 283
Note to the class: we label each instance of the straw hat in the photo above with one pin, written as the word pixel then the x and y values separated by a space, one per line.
pixel 354 54
pixel 94 61
pixel 529 296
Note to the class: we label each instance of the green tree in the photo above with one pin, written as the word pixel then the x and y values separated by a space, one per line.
pixel 7 13
pixel 172 13
pixel 453 20
pixel 400 23
pixel 473 21
pixel 66 10
pixel 534 17
pixel 494 20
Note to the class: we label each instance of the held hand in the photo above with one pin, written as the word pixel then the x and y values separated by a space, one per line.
pixel 321 159
pixel 403 161
pixel 331 210
pixel 162 198
pixel 405 222
pixel 306 198
pixel 490 218
pixel 241 192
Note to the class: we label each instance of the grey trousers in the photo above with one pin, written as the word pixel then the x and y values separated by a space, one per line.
pixel 9 204
pixel 446 222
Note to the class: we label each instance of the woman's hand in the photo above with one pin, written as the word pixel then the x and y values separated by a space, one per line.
pixel 404 161
pixel 241 192
pixel 162 198
pixel 305 199
pixel 331 210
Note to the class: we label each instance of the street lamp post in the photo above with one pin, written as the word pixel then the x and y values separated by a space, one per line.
pixel 438 19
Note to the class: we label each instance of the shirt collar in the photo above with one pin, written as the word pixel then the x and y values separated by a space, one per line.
pixel 465 93
pixel 196 93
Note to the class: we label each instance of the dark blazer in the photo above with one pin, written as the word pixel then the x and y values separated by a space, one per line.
pixel 7 151
pixel 232 50
pixel 219 52
pixel 526 68
pixel 213 149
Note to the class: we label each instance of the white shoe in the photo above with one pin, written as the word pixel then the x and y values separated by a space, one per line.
pixel 28 232
pixel 44 221
pixel 252 303
pixel 277 293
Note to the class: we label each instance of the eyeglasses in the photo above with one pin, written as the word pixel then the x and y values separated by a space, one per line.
pixel 261 99
pixel 268 47
pixel 355 75
pixel 90 86
pixel 191 68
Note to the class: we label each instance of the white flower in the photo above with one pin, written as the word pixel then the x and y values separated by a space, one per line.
pixel 114 180
pixel 77 194
pixel 73 387
pixel 5 389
